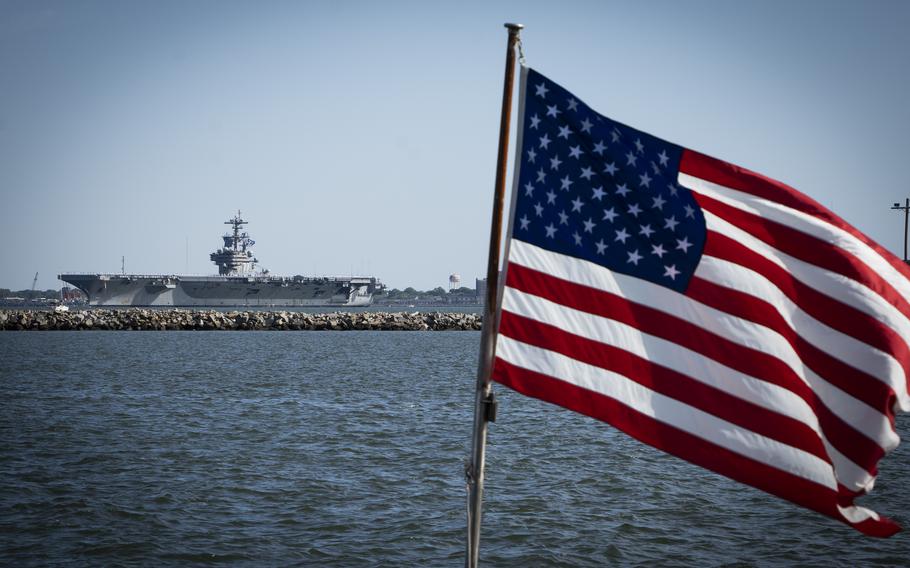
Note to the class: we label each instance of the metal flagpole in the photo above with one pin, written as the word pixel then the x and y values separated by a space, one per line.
pixel 485 403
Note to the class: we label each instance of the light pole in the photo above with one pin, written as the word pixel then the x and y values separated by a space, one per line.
pixel 906 209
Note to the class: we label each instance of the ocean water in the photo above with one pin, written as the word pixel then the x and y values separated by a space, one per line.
pixel 347 449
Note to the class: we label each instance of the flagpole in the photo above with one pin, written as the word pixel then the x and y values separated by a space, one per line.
pixel 484 403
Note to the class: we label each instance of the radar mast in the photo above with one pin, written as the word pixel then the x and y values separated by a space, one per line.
pixel 235 258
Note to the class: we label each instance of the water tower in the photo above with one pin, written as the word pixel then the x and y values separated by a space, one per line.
pixel 454 282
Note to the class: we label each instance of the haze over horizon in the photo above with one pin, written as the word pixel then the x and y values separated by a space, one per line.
pixel 361 137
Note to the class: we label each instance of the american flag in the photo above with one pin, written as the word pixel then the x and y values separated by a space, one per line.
pixel 704 309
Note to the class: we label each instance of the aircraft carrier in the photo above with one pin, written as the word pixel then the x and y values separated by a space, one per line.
pixel 237 284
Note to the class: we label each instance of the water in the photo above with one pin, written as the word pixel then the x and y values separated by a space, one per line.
pixel 346 449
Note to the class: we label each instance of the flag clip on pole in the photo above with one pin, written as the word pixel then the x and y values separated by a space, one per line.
pixel 485 402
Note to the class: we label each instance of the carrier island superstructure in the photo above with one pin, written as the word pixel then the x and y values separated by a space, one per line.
pixel 237 283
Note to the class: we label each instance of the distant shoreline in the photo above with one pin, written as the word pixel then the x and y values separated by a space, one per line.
pixel 175 319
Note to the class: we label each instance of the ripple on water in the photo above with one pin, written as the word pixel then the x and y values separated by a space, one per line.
pixel 266 448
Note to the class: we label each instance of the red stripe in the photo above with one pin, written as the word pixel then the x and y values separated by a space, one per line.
pixel 806 248
pixel 741 179
pixel 831 312
pixel 683 445
pixel 665 381
pixel 856 383
pixel 654 322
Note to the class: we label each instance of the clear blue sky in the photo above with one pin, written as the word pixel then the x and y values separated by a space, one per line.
pixel 361 136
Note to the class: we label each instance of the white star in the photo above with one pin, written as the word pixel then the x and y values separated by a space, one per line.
pixel 646 230
pixel 622 190
pixel 610 214
pixel 529 189
pixel 524 222
pixel 564 132
pixel 672 188
pixel 610 168
pixel 551 230
pixel 586 173
pixel 639 146
pixel 663 157
pixel 690 211
pixel 538 208
pixel 535 121
pixel 615 135
pixel 541 175
pixel 601 246
pixel 577 238
pixel 600 147
pixel 551 197
pixel 554 163
pixel 577 204
pixel 542 90
pixel 573 104
pixel 634 257
pixel 655 168
pixel 645 179
pixel 658 250
pixel 566 182
pixel 575 151
pixel 671 223
pixel 544 141
pixel 671 271
pixel 630 157
pixel 563 218
pixel 586 125
pixel 589 225
pixel 659 202
pixel 552 111
pixel 683 244
pixel 532 155
pixel 598 193
pixel 634 209
pixel 622 235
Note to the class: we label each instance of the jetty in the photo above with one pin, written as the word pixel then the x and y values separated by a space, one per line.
pixel 139 319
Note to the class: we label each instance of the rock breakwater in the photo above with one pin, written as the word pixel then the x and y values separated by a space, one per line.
pixel 191 320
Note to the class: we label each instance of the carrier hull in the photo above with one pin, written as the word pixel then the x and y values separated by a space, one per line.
pixel 212 291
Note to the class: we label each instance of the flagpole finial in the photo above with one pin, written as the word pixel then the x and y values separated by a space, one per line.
pixel 514 27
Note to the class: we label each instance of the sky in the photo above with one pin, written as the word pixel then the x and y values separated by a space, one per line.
pixel 361 137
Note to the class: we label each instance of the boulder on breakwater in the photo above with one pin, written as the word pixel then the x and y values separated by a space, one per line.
pixel 191 320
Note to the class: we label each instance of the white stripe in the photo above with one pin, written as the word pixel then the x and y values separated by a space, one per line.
pixel 845 348
pixel 864 418
pixel 668 411
pixel 802 222
pixel 856 514
pixel 687 362
pixel 837 286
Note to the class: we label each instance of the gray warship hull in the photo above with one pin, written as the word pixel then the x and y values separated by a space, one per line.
pixel 213 291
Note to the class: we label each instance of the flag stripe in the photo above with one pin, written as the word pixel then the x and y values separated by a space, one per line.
pixel 806 248
pixel 520 299
pixel 852 381
pixel 689 447
pixel 669 411
pixel 784 417
pixel 715 171
pixel 805 278
pixel 844 347
pixel 548 332
pixel 703 346
pixel 732 341
pixel 830 312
